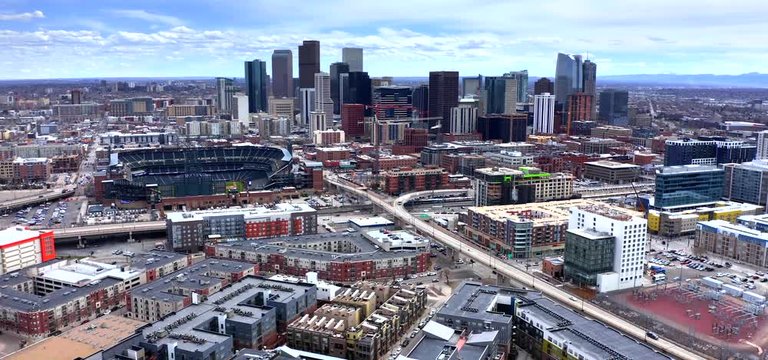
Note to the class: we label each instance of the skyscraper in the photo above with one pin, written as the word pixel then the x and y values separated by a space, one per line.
pixel 337 69
pixel 578 108
pixel 569 76
pixel 309 63
pixel 318 122
pixel 614 107
pixel 521 80
pixel 471 85
pixel 307 103
pixel 282 74
pixel 225 91
pixel 464 119
pixel 323 102
pixel 762 143
pixel 501 94
pixel 543 85
pixel 393 102
pixel 256 85
pixel 589 87
pixel 75 96
pixel 358 88
pixel 544 113
pixel 443 95
pixel 352 117
pixel 421 100
pixel 353 57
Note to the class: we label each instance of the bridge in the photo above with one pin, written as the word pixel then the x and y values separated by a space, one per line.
pixel 507 270
pixel 108 230
pixel 17 204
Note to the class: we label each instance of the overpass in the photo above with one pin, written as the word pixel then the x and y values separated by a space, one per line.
pixel 108 230
pixel 16 204
pixel 505 269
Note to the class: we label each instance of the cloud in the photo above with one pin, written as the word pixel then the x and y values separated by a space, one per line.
pixel 26 16
pixel 148 17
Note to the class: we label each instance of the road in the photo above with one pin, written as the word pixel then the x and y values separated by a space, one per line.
pixel 471 251
pixel 109 229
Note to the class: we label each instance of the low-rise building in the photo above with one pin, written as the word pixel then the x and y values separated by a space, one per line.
pixel 746 242
pixel 672 224
pixel 26 170
pixel 502 186
pixel 611 172
pixel 344 257
pixel 20 247
pixel 402 180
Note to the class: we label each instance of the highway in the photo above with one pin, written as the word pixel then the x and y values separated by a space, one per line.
pixel 479 255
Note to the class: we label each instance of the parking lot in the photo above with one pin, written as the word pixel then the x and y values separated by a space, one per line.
pixel 58 214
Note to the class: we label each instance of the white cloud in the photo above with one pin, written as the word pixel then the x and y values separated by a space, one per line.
pixel 148 17
pixel 26 16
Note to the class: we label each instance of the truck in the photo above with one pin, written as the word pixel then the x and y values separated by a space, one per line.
pixel 656 269
pixel 657 278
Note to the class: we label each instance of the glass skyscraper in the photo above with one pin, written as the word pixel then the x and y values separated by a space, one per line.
pixel 256 85
pixel 688 185
pixel 569 76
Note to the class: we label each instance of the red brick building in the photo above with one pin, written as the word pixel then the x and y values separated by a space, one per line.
pixel 352 118
pixel 332 153
pixel 399 181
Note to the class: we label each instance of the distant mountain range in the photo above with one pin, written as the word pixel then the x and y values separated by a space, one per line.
pixel 750 80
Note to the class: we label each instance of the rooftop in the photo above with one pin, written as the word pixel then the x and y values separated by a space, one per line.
pixel 82 341
pixel 476 301
pixel 371 221
pixel 552 212
pixel 281 209
pixel 610 212
pixel 612 164
pixel 590 234
pixel 18 233
pixel 682 169
pixel 499 171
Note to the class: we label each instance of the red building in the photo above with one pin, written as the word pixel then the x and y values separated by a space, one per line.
pixel 332 153
pixel 21 247
pixel 579 108
pixel 398 181
pixel 31 170
pixel 352 118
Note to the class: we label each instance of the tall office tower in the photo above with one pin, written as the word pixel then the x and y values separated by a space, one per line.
pixel 282 74
pixel 503 127
pixel 393 102
pixel 544 114
pixel 569 78
pixel 471 86
pixel 463 119
pixel 75 96
pixel 543 85
pixel 443 95
pixel 240 111
pixel 500 94
pixel 521 79
pixel 614 107
pixel 421 100
pixel 337 69
pixel 358 88
pixel 256 85
pixel 591 223
pixel 309 63
pixel 352 119
pixel 589 69
pixel 307 100
pixel 579 108
pixel 318 121
pixel 353 57
pixel 225 91
pixel 323 102
pixel 762 145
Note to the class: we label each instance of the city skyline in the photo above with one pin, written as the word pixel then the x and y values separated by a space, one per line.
pixel 66 39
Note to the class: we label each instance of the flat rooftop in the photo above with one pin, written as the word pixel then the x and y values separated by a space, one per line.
pixel 551 212
pixel 611 164
pixel 499 171
pixel 684 169
pixel 477 301
pixel 371 221
pixel 281 209
pixel 16 234
pixel 82 341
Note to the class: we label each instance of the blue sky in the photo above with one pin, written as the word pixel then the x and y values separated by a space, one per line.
pixel 104 38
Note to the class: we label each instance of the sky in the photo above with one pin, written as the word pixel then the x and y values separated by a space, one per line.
pixel 175 38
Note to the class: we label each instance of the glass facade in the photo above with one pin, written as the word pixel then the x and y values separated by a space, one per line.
pixel 688 185
pixel 587 254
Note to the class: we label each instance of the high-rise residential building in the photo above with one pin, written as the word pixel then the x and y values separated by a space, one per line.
pixel 240 111
pixel 353 57
pixel 323 100
pixel 352 119
pixel 318 121
pixel 393 102
pixel 543 85
pixel 614 107
pixel 681 187
pixel 443 95
pixel 707 152
pixel 281 107
pixel 337 69
pixel 75 96
pixel 762 145
pixel 471 86
pixel 579 108
pixel 282 74
pixel 747 182
pixel 590 83
pixel 307 100
pixel 503 127
pixel 225 91
pixel 309 63
pixel 500 94
pixel 357 89
pixel 256 85
pixel 421 100
pixel 569 76
pixel 630 234
pixel 544 114
pixel 521 80
pixel 463 119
